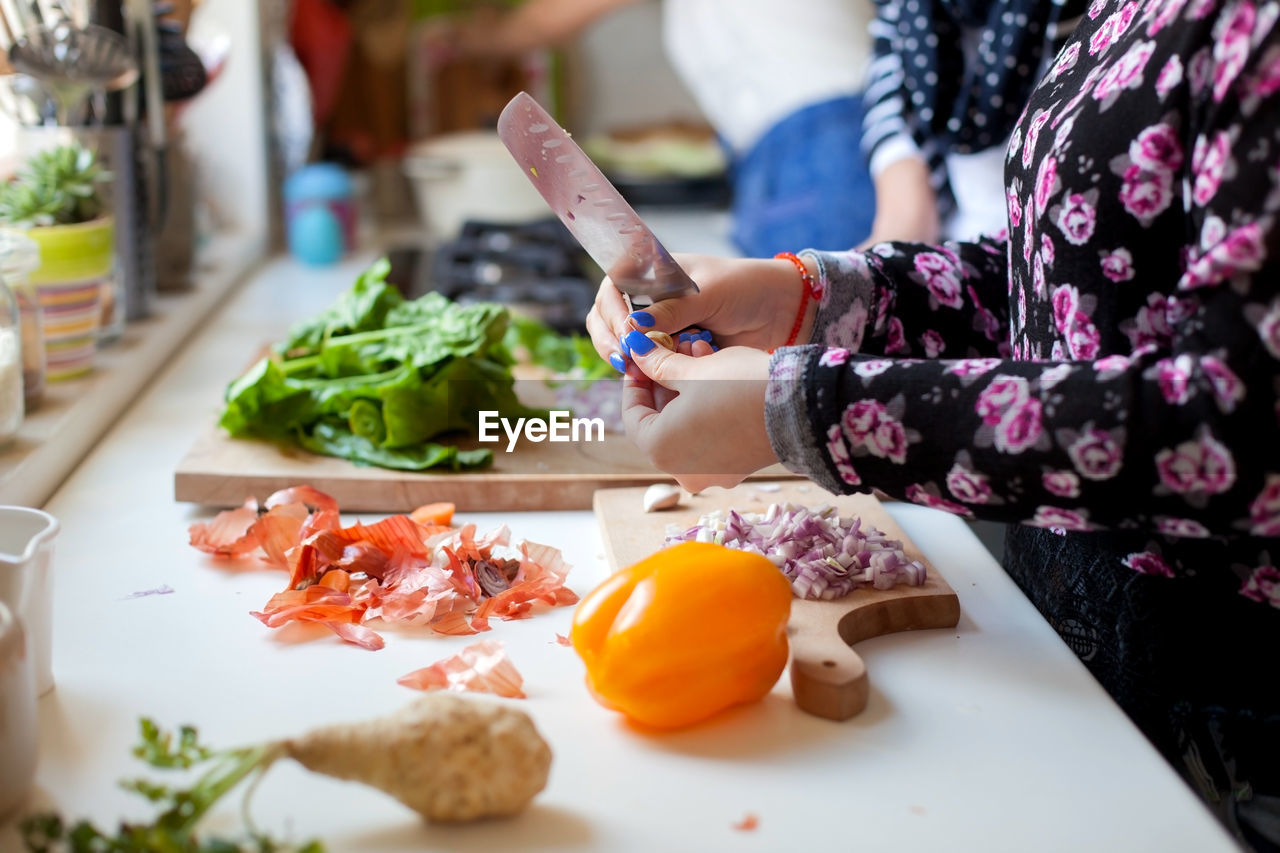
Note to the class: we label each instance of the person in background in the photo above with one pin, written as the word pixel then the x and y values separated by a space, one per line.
pixel 1104 376
pixel 781 84
pixel 947 83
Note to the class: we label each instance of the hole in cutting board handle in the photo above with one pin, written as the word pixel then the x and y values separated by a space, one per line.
pixel 828 663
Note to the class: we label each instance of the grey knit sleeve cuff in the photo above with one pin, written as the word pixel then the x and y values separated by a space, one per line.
pixel 847 308
pixel 786 416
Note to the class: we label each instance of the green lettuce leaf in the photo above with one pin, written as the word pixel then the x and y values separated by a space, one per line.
pixel 335 439
pixel 376 380
pixel 362 308
pixel 569 355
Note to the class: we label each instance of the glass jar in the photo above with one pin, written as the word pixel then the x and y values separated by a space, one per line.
pixel 11 406
pixel 19 257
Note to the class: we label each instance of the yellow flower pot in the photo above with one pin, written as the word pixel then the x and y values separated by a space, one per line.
pixel 76 265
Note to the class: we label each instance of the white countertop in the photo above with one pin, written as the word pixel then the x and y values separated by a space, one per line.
pixel 990 737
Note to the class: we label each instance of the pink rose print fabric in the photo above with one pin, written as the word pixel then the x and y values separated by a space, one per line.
pixel 1263 585
pixel 1148 563
pixel 1111 363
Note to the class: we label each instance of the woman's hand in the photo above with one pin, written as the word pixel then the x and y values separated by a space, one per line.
pixel 742 302
pixel 698 417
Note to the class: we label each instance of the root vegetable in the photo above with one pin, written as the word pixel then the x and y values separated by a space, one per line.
pixel 445 757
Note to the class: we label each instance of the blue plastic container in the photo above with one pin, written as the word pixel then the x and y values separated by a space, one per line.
pixel 320 213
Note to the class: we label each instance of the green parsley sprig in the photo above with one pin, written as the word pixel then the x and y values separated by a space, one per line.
pixel 174 828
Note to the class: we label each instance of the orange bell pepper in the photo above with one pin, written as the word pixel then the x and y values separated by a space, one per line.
pixel 684 634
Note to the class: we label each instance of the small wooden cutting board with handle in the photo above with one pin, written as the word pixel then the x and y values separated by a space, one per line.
pixel 828 678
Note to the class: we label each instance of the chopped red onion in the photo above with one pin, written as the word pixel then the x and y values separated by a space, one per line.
pixel 823 555
pixel 598 399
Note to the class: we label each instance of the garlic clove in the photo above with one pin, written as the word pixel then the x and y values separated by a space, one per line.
pixel 662 339
pixel 661 496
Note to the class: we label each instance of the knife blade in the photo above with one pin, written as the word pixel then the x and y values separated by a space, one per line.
pixel 593 210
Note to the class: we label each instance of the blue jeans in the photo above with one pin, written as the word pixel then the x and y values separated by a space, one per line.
pixel 805 184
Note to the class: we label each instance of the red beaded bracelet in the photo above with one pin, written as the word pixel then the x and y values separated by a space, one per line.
pixel 811 291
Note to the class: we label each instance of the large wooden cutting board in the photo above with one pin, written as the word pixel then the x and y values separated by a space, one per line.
pixel 828 677
pixel 221 471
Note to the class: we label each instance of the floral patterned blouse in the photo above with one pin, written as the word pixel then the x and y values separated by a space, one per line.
pixel 1114 362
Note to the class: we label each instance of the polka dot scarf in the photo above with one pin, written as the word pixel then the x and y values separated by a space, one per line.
pixel 973 106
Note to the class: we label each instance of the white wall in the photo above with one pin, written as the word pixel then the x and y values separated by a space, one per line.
pixel 225 126
pixel 622 77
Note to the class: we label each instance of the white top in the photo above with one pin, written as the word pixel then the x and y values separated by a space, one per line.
pixel 990 737
pixel 977 178
pixel 977 182
pixel 751 63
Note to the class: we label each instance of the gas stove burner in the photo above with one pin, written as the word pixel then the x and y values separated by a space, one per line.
pixel 498 241
pixel 537 268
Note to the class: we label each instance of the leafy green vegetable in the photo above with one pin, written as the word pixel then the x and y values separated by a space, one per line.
pixel 366 421
pixel 362 308
pixel 157 747
pixel 174 829
pixel 376 379
pixel 330 440
pixel 570 355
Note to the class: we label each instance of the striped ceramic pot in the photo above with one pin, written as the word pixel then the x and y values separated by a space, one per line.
pixel 76 265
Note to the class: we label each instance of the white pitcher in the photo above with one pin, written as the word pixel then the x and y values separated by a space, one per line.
pixel 17 714
pixel 26 582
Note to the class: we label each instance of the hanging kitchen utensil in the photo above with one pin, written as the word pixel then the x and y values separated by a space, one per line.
pixel 26 100
pixel 23 17
pixel 140 18
pixel 182 73
pixel 74 62
pixel 10 36
pixel 588 204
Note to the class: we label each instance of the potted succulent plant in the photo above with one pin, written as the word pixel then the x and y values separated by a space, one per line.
pixel 57 197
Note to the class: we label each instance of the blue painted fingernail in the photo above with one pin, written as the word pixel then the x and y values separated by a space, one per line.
pixel 622 345
pixel 642 318
pixel 618 364
pixel 715 348
pixel 637 343
pixel 684 338
pixel 704 336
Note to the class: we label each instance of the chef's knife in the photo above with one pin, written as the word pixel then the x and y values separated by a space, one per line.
pixel 590 207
